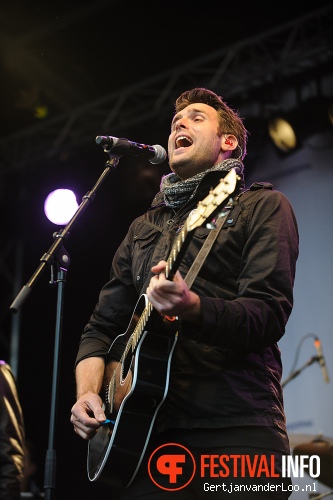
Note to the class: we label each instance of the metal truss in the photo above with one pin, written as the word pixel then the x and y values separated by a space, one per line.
pixel 238 71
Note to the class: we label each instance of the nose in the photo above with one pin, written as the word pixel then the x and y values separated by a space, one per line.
pixel 181 123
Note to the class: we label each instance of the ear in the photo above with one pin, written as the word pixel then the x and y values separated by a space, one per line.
pixel 229 142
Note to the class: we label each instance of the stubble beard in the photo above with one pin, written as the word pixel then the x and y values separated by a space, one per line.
pixel 189 167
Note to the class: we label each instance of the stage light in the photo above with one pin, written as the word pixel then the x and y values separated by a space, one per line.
pixel 282 133
pixel 41 112
pixel 289 130
pixel 60 206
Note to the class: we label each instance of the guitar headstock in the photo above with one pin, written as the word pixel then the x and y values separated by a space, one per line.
pixel 213 200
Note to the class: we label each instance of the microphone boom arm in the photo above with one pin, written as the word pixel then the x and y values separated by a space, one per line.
pixel 295 373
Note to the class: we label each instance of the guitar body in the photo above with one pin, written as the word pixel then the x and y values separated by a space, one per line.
pixel 132 395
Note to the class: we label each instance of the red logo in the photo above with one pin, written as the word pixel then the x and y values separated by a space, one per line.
pixel 171 467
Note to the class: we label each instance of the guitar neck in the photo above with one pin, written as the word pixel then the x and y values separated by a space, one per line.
pixel 178 250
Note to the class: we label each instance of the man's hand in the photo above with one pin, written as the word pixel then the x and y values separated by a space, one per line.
pixel 173 298
pixel 87 415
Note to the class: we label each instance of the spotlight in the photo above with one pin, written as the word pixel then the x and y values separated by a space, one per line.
pixel 60 205
pixel 41 112
pixel 282 133
pixel 289 130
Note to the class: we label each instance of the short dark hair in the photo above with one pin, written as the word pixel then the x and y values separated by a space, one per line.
pixel 230 121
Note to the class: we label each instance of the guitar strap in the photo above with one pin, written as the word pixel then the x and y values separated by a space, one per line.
pixel 205 249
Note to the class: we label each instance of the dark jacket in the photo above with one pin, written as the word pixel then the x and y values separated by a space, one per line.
pixel 11 436
pixel 227 372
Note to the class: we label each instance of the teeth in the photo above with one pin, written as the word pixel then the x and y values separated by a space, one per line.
pixel 183 141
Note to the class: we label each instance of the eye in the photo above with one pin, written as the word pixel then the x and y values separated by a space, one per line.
pixel 173 126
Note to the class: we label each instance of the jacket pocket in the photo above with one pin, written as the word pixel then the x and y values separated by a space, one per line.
pixel 145 239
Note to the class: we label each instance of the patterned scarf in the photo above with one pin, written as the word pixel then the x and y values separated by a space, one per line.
pixel 177 192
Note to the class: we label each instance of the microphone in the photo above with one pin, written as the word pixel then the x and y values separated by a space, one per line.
pixel 155 154
pixel 321 359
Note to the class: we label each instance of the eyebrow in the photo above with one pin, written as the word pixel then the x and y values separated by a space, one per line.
pixel 192 111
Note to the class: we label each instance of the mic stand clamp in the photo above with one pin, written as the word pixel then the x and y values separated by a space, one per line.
pixel 295 373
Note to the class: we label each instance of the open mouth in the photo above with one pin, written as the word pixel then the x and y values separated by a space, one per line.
pixel 183 142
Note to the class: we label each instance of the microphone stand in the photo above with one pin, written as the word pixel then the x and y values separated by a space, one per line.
pixel 323 495
pixel 57 257
pixel 295 373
